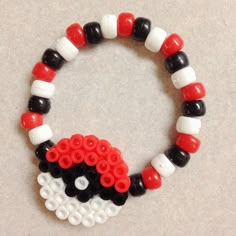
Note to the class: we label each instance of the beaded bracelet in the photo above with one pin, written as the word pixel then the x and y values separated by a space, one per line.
pixel 84 179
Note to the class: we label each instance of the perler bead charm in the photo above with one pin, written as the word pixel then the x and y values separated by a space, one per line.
pixel 85 179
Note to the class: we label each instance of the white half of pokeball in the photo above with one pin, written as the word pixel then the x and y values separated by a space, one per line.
pixel 95 211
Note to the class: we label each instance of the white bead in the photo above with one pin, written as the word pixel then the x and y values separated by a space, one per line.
pixel 188 125
pixel 51 204
pixel 57 185
pixel 163 165
pixel 183 77
pixel 81 183
pixel 62 213
pixel 75 218
pixel 88 221
pixel 40 134
pixel 100 217
pixel 42 89
pixel 109 26
pixel 72 205
pixel 44 179
pixel 66 49
pixel 61 197
pixel 85 209
pixel 46 192
pixel 97 203
pixel 112 210
pixel 155 39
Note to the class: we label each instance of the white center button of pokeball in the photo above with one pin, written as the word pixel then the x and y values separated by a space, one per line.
pixel 81 183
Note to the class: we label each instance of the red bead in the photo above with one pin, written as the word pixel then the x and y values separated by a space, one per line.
pixel 188 143
pixel 125 24
pixel 172 44
pixel 75 34
pixel 77 156
pixel 43 72
pixel 90 142
pixel 103 167
pixel 122 185
pixel 120 170
pixel 103 148
pixel 193 91
pixel 52 155
pixel 76 141
pixel 114 157
pixel 107 180
pixel 65 161
pixel 151 178
pixel 91 158
pixel 30 120
pixel 63 146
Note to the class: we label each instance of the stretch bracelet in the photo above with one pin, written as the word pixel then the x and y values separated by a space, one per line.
pixel 84 179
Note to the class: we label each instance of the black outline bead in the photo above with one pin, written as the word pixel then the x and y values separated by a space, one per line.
pixel 194 108
pixel 53 59
pixel 142 27
pixel 93 32
pixel 39 104
pixel 137 187
pixel 42 149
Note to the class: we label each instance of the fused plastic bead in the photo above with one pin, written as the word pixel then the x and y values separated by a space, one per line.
pixel 75 218
pixel 163 165
pixel 90 142
pixel 46 192
pixel 43 72
pixel 103 167
pixel 61 197
pixel 97 203
pixel 53 59
pixel 57 185
pixel 44 166
pixel 119 199
pixel 66 49
pixel 62 213
pixel 109 26
pixel 40 134
pixel 88 221
pixel 122 185
pixel 188 143
pixel 172 44
pixel 125 24
pixel 55 170
pixel 194 108
pixel 93 32
pixel 30 120
pixel 151 178
pixel 142 27
pixel 178 156
pixel 42 149
pixel 155 39
pixel 183 77
pixel 91 158
pixel 176 61
pixel 100 217
pixel 71 190
pixel 106 193
pixel 84 196
pixel 63 146
pixel 103 147
pixel 76 141
pixel 114 157
pixel 52 155
pixel 193 91
pixel 81 183
pixel 137 187
pixel 72 205
pixel 65 161
pixel 111 209
pixel 42 89
pixel 39 105
pixel 107 180
pixel 77 156
pixel 51 204
pixel 75 34
pixel 44 179
pixel 188 125
pixel 120 170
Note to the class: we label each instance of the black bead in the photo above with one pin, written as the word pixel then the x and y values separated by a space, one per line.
pixel 39 104
pixel 71 190
pixel 106 193
pixel 42 149
pixel 95 188
pixel 194 108
pixel 93 32
pixel 55 170
pixel 92 175
pixel 137 187
pixel 177 156
pixel 53 59
pixel 79 169
pixel 44 166
pixel 119 199
pixel 84 196
pixel 176 62
pixel 142 27
pixel 68 176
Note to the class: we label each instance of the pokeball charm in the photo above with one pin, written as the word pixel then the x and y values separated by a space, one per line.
pixel 83 179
